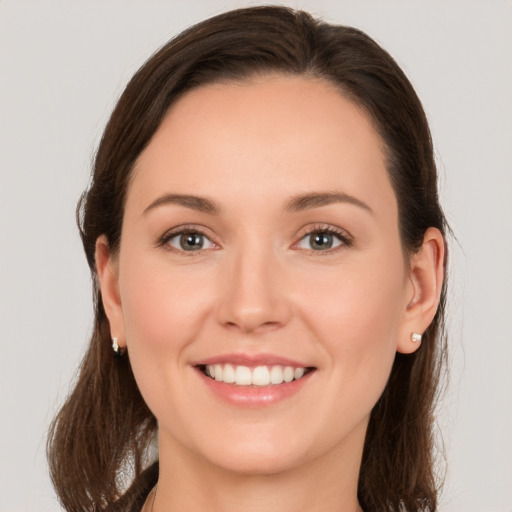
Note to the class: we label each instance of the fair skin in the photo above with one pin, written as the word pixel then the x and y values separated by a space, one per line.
pixel 288 254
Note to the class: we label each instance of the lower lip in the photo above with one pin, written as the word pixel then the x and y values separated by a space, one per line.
pixel 255 396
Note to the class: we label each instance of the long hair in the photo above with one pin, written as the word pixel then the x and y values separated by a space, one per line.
pixel 98 441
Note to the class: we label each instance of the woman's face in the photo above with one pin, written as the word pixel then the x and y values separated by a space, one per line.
pixel 260 242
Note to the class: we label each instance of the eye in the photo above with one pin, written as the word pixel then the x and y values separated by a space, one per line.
pixel 189 241
pixel 323 240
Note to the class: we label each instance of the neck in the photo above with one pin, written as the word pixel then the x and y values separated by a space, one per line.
pixel 188 482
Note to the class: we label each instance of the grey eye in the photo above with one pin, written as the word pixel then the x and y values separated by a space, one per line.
pixel 190 241
pixel 320 241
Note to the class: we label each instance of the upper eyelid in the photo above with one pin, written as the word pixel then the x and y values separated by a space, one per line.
pixel 324 228
pixel 344 235
pixel 185 228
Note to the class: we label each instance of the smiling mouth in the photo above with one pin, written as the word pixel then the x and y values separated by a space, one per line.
pixel 240 375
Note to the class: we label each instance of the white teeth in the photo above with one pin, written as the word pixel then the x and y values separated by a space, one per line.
pixel 258 376
pixel 228 374
pixel 288 374
pixel 261 376
pixel 276 375
pixel 243 376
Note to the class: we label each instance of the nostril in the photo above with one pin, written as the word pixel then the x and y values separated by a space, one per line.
pixel 252 320
pixel 248 328
pixel 252 298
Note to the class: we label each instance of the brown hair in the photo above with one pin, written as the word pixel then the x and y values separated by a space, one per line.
pixel 98 440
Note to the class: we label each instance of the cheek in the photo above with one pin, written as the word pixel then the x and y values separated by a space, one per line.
pixel 163 314
pixel 161 304
pixel 357 315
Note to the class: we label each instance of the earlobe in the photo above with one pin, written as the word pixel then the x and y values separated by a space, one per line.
pixel 426 276
pixel 107 272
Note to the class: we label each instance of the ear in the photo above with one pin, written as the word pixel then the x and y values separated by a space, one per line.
pixel 107 269
pixel 425 281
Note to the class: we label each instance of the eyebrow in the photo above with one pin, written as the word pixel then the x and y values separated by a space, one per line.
pixel 317 199
pixel 201 204
pixel 295 204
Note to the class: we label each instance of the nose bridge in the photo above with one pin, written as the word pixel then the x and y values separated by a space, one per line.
pixel 252 292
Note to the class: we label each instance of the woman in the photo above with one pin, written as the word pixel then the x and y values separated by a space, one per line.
pixel 267 249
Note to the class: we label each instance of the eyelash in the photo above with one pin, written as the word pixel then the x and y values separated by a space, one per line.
pixel 345 239
pixel 341 235
pixel 179 231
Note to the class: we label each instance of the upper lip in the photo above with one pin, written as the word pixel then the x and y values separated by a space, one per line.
pixel 251 360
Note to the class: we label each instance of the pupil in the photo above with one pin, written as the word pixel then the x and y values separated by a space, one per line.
pixel 321 241
pixel 192 241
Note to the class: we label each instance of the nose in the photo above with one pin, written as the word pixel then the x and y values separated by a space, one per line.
pixel 253 293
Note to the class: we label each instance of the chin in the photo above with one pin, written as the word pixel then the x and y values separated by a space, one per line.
pixel 257 463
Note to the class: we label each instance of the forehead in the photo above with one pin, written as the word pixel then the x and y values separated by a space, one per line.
pixel 278 134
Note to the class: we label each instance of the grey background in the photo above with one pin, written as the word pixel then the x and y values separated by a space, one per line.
pixel 62 65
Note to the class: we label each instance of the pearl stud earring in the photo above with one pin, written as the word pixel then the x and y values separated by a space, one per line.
pixel 116 348
pixel 416 337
